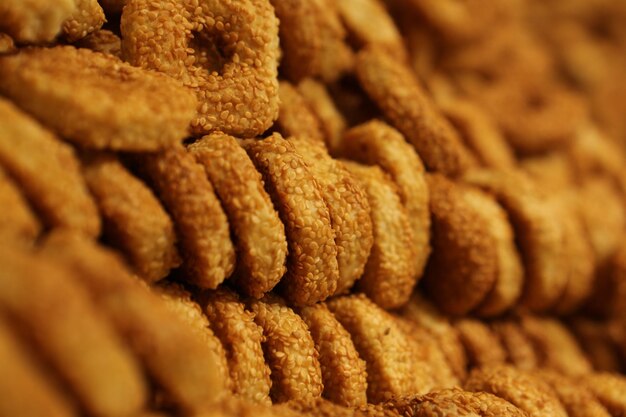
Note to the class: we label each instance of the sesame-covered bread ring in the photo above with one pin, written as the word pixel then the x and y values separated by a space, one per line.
pixel 289 351
pixel 376 143
pixel 577 399
pixel 348 207
pixel 134 220
pixel 87 18
pixel 226 51
pixel 257 230
pixel 389 277
pixel 241 338
pixel 392 370
pixel 481 345
pixel 312 271
pixel 521 389
pixel 201 225
pixel 343 371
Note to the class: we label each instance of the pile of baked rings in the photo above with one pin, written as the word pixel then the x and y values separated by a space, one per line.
pixel 314 208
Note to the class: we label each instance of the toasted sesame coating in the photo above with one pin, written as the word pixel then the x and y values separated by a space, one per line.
pixel 463 266
pixel 27 389
pixel 454 402
pixel 393 87
pixel 389 276
pixel 18 222
pixel 597 339
pixel 295 117
pixel 86 18
pixel 419 311
pixel 361 16
pixel 237 407
pixel 332 122
pixel 133 218
pixel 426 348
pixel 538 234
pixel 519 349
pixel 257 230
pixel 175 355
pixel 50 305
pixel 96 100
pixel 482 346
pixel 47 172
pixel 580 266
pixel 479 133
pixel 321 407
pixel 521 389
pixel 29 21
pixel 577 399
pixel 201 225
pixel 180 303
pixel 312 271
pixel 103 41
pixel 510 275
pixel 376 143
pixel 225 51
pixel 348 207
pixel 609 389
pixel 300 37
pixel 555 346
pixel 386 349
pixel 343 372
pixel 241 338
pixel 289 351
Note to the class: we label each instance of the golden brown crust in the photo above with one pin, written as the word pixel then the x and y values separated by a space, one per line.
pixel 597 340
pixel 289 351
pixel 36 21
pixel 312 270
pixel 609 389
pixel 71 333
pixel 523 390
pixel 27 389
pixel 237 93
pixel 510 275
pixel 454 402
pixel 201 225
pixel 575 397
pixel 376 143
pixel 179 302
pixel 481 345
pixel 360 16
pixel 403 101
pixel 389 276
pixel 419 311
pixel 463 266
pixel 479 133
pixel 86 18
pixel 555 346
pixel 133 218
pixel 96 100
pixel 386 349
pixel 519 349
pixel 427 348
pixel 295 117
pixel 47 172
pixel 179 360
pixel 538 233
pixel 343 372
pixel 18 220
pixel 258 232
pixel 331 120
pixel 241 338
pixel 348 208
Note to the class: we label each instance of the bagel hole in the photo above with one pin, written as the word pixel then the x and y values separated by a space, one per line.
pixel 209 52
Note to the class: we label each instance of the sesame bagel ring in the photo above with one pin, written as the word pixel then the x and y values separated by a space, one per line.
pixel 225 51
